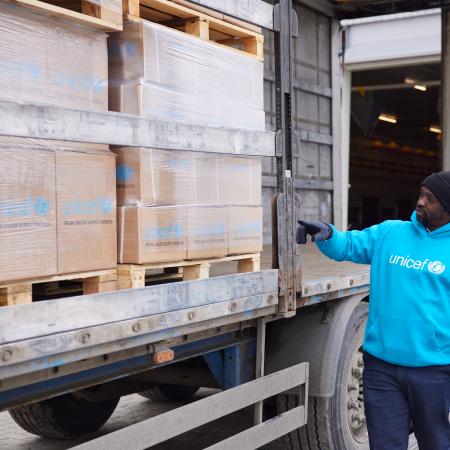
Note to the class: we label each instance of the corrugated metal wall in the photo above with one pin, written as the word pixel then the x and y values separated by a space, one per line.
pixel 312 117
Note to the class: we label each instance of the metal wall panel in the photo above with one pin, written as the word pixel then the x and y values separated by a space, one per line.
pixel 311 112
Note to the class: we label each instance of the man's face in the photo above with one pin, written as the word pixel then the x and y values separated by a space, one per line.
pixel 429 210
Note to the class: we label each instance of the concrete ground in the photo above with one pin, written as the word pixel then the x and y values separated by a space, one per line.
pixel 133 409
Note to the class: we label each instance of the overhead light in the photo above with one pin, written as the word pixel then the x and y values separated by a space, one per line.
pixel 387 118
pixel 415 84
pixel 435 129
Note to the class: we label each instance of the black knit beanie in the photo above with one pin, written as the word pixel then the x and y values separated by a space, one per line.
pixel 439 185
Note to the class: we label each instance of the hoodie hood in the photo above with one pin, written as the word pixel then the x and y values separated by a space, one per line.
pixel 442 232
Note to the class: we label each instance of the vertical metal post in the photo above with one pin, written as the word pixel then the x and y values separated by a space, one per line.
pixel 285 27
pixel 260 360
pixel 340 135
pixel 231 366
pixel 445 89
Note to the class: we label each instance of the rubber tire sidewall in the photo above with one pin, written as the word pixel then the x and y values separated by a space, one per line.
pixel 64 417
pixel 353 340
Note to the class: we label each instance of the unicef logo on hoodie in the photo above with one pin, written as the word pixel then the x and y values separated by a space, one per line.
pixel 436 267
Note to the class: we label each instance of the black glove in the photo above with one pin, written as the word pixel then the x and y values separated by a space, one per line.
pixel 319 231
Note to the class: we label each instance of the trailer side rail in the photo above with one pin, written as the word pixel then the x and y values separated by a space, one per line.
pixel 73 329
pixel 105 127
pixel 166 426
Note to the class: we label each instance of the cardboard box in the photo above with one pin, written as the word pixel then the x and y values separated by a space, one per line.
pixel 86 213
pixel 47 60
pixel 207 231
pixel 240 181
pixel 175 105
pixel 151 177
pixel 151 235
pixel 27 213
pixel 244 229
pixel 168 75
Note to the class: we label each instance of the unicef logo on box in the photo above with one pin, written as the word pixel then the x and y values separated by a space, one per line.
pixel 124 173
pixel 106 205
pixel 101 205
pixel 41 206
pixel 436 267
pixel 28 207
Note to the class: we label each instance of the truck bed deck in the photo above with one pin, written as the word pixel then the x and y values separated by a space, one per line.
pixel 322 278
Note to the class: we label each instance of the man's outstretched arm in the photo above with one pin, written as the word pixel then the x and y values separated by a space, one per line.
pixel 355 246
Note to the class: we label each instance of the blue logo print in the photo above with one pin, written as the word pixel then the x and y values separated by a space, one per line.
pixel 124 173
pixel 101 205
pixel 41 206
pixel 131 49
pixel 118 49
pixel 28 207
pixel 174 231
pixel 106 205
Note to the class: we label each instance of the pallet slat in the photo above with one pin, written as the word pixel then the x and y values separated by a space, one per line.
pixel 193 20
pixel 21 292
pixel 90 14
pixel 131 276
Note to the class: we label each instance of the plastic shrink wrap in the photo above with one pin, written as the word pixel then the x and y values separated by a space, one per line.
pixel 57 208
pixel 177 205
pixel 51 61
pixel 169 75
pixel 153 177
pixel 176 233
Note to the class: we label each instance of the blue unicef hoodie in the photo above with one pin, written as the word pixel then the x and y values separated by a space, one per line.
pixel 409 308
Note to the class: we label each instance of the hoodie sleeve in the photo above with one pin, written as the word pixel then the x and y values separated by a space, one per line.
pixel 355 246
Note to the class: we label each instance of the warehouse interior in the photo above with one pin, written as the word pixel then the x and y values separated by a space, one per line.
pixel 394 140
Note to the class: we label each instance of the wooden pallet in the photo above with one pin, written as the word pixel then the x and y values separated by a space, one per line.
pixel 79 11
pixel 194 20
pixel 132 276
pixel 21 292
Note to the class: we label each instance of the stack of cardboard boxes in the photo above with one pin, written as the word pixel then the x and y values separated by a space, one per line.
pixel 57 199
pixel 177 205
pixel 185 205
pixel 57 208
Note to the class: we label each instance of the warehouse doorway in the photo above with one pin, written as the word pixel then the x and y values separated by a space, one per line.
pixel 395 137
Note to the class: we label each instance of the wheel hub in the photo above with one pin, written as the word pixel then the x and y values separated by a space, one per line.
pixel 355 401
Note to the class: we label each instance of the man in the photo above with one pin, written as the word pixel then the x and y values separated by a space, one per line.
pixel 407 339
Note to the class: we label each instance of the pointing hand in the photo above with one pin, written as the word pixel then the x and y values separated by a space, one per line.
pixel 318 231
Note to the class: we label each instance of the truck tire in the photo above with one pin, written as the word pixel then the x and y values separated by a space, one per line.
pixel 337 422
pixel 64 417
pixel 170 392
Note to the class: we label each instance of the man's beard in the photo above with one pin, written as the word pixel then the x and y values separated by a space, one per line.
pixel 424 218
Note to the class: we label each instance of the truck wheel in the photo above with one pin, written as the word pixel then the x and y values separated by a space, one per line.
pixel 63 417
pixel 170 392
pixel 338 422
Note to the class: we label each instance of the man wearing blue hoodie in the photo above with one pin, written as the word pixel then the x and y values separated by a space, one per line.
pixel 407 340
